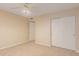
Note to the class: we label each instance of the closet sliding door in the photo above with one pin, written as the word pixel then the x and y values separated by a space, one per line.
pixel 63 31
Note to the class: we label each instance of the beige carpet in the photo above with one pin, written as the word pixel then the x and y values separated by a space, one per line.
pixel 32 49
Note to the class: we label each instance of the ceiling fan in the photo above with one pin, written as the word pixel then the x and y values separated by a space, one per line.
pixel 25 7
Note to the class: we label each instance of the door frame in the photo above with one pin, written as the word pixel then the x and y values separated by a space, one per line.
pixel 29 30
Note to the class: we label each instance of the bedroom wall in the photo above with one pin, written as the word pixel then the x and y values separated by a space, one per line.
pixel 43 26
pixel 13 29
pixel 42 31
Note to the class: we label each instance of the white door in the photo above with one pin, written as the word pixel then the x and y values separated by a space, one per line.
pixel 31 30
pixel 63 31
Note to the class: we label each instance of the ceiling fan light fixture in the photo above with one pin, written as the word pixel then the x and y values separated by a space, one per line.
pixel 26 12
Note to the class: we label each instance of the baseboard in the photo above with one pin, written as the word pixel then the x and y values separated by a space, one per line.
pixel 31 41
pixel 12 45
pixel 42 43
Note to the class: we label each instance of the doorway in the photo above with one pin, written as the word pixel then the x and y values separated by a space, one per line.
pixel 31 30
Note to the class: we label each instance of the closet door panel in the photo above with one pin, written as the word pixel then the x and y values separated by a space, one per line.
pixel 63 30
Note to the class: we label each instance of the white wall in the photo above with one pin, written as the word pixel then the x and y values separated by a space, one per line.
pixel 42 33
pixel 13 29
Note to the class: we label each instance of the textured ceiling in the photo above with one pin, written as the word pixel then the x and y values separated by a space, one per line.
pixel 36 9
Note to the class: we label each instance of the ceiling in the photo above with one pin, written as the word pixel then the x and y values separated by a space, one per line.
pixel 37 9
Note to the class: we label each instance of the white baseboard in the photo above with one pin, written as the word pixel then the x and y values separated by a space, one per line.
pixel 12 45
pixel 42 43
pixel 31 41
